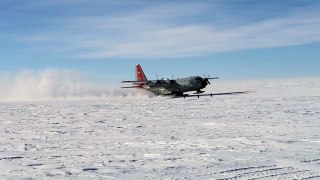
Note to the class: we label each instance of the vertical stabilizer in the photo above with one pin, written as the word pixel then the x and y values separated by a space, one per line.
pixel 140 74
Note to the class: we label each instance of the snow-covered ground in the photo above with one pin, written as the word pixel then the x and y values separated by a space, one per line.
pixel 270 133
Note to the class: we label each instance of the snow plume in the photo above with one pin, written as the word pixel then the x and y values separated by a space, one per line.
pixel 56 84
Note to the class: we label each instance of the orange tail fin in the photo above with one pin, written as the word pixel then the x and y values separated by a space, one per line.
pixel 140 76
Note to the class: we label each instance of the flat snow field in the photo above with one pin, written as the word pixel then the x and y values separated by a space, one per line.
pixel 271 133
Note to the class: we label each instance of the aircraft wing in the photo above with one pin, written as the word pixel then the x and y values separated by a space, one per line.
pixel 213 78
pixel 212 94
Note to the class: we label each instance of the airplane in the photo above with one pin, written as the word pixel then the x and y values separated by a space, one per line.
pixel 173 87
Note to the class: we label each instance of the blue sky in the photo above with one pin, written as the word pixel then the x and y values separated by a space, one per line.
pixel 233 39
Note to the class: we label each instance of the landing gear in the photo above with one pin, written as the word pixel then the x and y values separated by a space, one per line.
pixel 198 92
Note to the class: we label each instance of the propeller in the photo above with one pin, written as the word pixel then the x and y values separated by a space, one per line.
pixel 159 81
pixel 172 81
pixel 206 79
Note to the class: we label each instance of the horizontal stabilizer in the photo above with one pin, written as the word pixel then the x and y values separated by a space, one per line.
pixel 140 82
pixel 132 87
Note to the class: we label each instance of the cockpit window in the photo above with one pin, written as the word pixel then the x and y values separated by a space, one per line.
pixel 198 78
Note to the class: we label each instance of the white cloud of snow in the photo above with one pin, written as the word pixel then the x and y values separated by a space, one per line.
pixel 56 84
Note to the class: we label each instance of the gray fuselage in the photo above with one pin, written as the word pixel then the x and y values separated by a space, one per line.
pixel 175 87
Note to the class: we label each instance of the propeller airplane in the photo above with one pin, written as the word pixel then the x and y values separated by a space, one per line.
pixel 174 87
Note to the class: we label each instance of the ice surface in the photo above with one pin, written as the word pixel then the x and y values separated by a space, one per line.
pixel 271 133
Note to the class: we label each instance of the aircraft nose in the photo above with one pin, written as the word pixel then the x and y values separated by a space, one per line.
pixel 203 83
